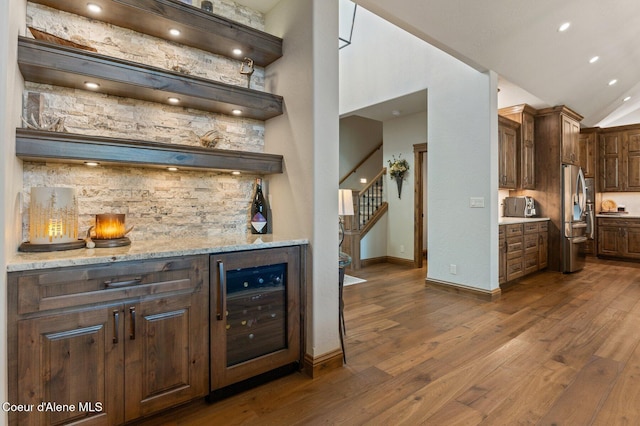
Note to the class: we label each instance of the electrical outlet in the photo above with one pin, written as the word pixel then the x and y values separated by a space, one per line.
pixel 476 202
pixel 453 269
pixel 401 248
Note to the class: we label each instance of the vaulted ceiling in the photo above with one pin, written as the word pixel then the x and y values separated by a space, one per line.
pixel 519 40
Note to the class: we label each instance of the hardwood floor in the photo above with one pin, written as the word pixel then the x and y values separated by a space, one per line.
pixel 554 350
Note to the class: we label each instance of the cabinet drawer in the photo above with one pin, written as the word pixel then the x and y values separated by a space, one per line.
pixel 543 226
pixel 531 263
pixel 514 230
pixel 531 228
pixel 45 290
pixel 531 243
pixel 515 269
pixel 501 232
pixel 514 248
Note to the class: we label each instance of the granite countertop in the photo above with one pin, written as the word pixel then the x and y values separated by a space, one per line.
pixel 141 250
pixel 514 220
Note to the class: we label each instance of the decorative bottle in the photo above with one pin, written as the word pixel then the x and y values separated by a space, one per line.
pixel 259 211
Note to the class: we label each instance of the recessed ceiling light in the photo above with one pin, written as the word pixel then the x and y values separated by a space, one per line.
pixel 236 112
pixel 395 113
pixel 594 59
pixel 612 82
pixel 173 100
pixel 363 180
pixel 564 27
pixel 626 99
pixel 94 8
pixel 91 163
pixel 235 173
pixel 174 32
pixel 172 169
pixel 237 51
pixel 91 85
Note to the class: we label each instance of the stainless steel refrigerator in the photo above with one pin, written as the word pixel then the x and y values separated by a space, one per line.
pixel 574 224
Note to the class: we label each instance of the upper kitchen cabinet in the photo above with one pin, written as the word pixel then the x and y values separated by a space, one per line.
pixel 199 29
pixel 587 149
pixel 525 157
pixel 561 124
pixel 620 159
pixel 507 153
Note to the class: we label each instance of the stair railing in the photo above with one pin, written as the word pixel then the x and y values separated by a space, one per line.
pixel 369 199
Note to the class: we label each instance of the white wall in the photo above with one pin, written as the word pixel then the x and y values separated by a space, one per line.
pixel 400 135
pixel 358 137
pixel 383 62
pixel 305 198
pixel 12 21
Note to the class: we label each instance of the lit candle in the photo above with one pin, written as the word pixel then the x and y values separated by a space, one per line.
pixel 53 216
pixel 109 226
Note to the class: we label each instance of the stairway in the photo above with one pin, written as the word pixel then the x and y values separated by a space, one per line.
pixel 369 206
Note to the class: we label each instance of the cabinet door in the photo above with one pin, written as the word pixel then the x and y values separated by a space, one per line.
pixel 502 261
pixel 610 153
pixel 508 160
pixel 631 236
pixel 587 154
pixel 255 313
pixel 528 154
pixel 631 155
pixel 166 356
pixel 609 241
pixel 570 135
pixel 74 359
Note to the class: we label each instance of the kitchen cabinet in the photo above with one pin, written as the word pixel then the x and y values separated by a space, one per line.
pixel 115 341
pixel 507 153
pixel 588 149
pixel 256 315
pixel 523 249
pixel 610 159
pixel 525 145
pixel 631 160
pixel 620 159
pixel 619 237
pixel 570 137
pixel 502 255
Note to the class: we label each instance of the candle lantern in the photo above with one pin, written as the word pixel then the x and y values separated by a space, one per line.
pixel 53 220
pixel 110 231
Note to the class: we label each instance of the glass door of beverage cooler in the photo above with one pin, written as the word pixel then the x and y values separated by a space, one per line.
pixel 255 313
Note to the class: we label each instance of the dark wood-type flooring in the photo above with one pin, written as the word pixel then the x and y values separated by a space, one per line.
pixel 554 350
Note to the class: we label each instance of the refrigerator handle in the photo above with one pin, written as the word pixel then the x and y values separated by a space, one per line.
pixel 582 188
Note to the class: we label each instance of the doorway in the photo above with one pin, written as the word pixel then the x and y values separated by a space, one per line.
pixel 420 203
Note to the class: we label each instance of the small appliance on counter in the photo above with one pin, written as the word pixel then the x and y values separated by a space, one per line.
pixel 519 207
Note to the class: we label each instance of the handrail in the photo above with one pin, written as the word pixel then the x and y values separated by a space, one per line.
pixel 373 181
pixel 345 177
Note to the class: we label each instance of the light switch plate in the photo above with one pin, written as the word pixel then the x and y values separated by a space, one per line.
pixel 476 202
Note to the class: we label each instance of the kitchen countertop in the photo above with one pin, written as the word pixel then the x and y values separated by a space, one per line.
pixel 619 215
pixel 514 220
pixel 142 250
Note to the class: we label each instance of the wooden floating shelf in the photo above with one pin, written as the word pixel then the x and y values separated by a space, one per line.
pixel 43 62
pixel 41 145
pixel 198 28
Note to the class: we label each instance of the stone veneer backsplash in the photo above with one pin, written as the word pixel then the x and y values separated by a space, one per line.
pixel 158 203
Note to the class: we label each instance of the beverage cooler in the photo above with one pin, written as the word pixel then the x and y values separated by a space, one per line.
pixel 255 317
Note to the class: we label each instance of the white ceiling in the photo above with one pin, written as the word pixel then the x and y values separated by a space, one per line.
pixel 519 40
pixel 537 64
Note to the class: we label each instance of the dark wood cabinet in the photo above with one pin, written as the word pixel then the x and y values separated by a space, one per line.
pixel 588 149
pixel 523 249
pixel 525 145
pixel 631 160
pixel 619 237
pixel 610 158
pixel 256 312
pixel 115 341
pixel 507 153
pixel 570 135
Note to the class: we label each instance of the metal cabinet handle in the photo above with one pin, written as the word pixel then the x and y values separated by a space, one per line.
pixel 132 326
pixel 222 285
pixel 117 284
pixel 116 322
